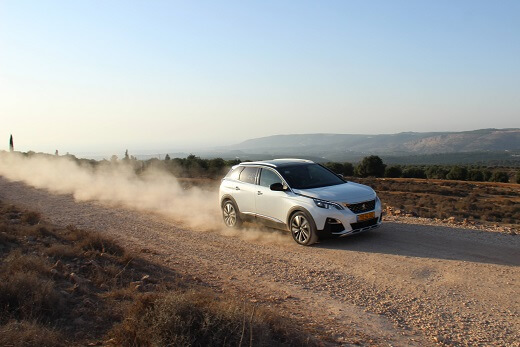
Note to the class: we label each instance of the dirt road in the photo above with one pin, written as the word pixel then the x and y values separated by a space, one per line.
pixel 402 284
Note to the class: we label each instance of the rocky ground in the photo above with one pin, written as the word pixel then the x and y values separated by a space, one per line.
pixel 402 216
pixel 410 282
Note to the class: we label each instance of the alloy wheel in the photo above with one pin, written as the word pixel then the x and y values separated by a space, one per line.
pixel 300 228
pixel 230 215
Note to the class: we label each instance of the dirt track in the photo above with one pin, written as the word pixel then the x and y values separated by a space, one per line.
pixel 402 284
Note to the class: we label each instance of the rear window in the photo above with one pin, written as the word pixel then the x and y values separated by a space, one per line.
pixel 235 173
pixel 248 175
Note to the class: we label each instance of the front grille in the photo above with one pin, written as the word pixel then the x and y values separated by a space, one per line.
pixel 364 224
pixel 362 206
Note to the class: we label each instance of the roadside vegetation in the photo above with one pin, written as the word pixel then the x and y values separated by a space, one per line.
pixel 62 286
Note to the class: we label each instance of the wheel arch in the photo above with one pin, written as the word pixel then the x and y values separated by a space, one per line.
pixel 228 197
pixel 295 209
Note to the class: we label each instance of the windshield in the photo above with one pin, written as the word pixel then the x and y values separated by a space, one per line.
pixel 309 176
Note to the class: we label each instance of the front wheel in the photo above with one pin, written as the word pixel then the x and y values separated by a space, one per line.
pixel 230 214
pixel 303 229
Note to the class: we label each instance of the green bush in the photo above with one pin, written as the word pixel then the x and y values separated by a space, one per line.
pixel 487 175
pixel 475 175
pixel 371 166
pixel 393 171
pixel 414 172
pixel 500 176
pixel 436 172
pixel 458 173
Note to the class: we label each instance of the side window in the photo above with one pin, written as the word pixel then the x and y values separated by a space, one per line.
pixel 248 175
pixel 268 177
pixel 234 174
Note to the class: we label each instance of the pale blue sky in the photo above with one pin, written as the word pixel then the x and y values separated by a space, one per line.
pixel 90 76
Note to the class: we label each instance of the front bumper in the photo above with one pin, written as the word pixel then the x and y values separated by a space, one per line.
pixel 343 222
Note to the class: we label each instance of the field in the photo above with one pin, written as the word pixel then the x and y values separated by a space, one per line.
pixel 476 202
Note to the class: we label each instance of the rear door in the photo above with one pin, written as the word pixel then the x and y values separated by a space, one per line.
pixel 245 190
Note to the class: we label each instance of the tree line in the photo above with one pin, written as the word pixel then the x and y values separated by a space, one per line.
pixel 373 166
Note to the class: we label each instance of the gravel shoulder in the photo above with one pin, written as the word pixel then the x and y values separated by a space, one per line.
pixel 401 284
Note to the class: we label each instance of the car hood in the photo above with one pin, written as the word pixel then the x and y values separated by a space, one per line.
pixel 349 192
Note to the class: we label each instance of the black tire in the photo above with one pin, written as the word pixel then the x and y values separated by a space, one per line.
pixel 230 214
pixel 303 229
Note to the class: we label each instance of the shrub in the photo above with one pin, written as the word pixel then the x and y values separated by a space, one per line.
pixel 475 175
pixel 31 218
pixel 29 296
pixel 518 177
pixel 393 171
pixel 336 167
pixel 457 173
pixel 29 333
pixel 348 169
pixel 197 318
pixel 436 172
pixel 371 166
pixel 500 176
pixel 487 175
pixel 414 172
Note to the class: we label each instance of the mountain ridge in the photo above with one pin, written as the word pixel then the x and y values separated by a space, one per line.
pixel 490 139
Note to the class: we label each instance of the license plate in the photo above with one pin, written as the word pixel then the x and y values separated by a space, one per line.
pixel 365 216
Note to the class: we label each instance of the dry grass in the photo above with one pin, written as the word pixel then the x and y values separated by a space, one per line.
pixel 28 334
pixel 199 318
pixel 477 201
pixel 65 286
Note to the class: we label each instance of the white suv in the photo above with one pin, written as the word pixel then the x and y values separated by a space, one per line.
pixel 297 195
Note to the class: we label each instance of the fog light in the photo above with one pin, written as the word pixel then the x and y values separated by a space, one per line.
pixel 333 221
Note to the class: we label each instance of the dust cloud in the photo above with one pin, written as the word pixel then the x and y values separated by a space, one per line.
pixel 154 191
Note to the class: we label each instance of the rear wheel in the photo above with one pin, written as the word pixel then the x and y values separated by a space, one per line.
pixel 303 229
pixel 230 214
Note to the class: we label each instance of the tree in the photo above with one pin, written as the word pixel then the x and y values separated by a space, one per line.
pixel 487 175
pixel 475 175
pixel 393 171
pixel 458 173
pixel 348 169
pixel 127 157
pixel 414 172
pixel 336 167
pixel 436 172
pixel 167 157
pixel 11 143
pixel 500 176
pixel 371 166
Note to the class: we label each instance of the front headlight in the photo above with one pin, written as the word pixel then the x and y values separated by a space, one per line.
pixel 327 204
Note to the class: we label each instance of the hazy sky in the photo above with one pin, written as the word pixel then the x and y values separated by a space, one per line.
pixel 89 76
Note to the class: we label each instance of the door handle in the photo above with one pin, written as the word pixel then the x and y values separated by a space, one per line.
pixel 260 193
pixel 237 188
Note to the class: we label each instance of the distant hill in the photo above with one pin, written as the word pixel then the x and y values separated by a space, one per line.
pixel 409 142
pixel 350 147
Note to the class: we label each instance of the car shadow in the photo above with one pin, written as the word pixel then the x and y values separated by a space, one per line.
pixel 427 241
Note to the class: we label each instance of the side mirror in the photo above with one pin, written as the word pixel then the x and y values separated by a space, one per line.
pixel 278 187
pixel 341 176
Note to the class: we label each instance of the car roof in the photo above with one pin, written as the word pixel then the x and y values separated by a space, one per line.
pixel 278 162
